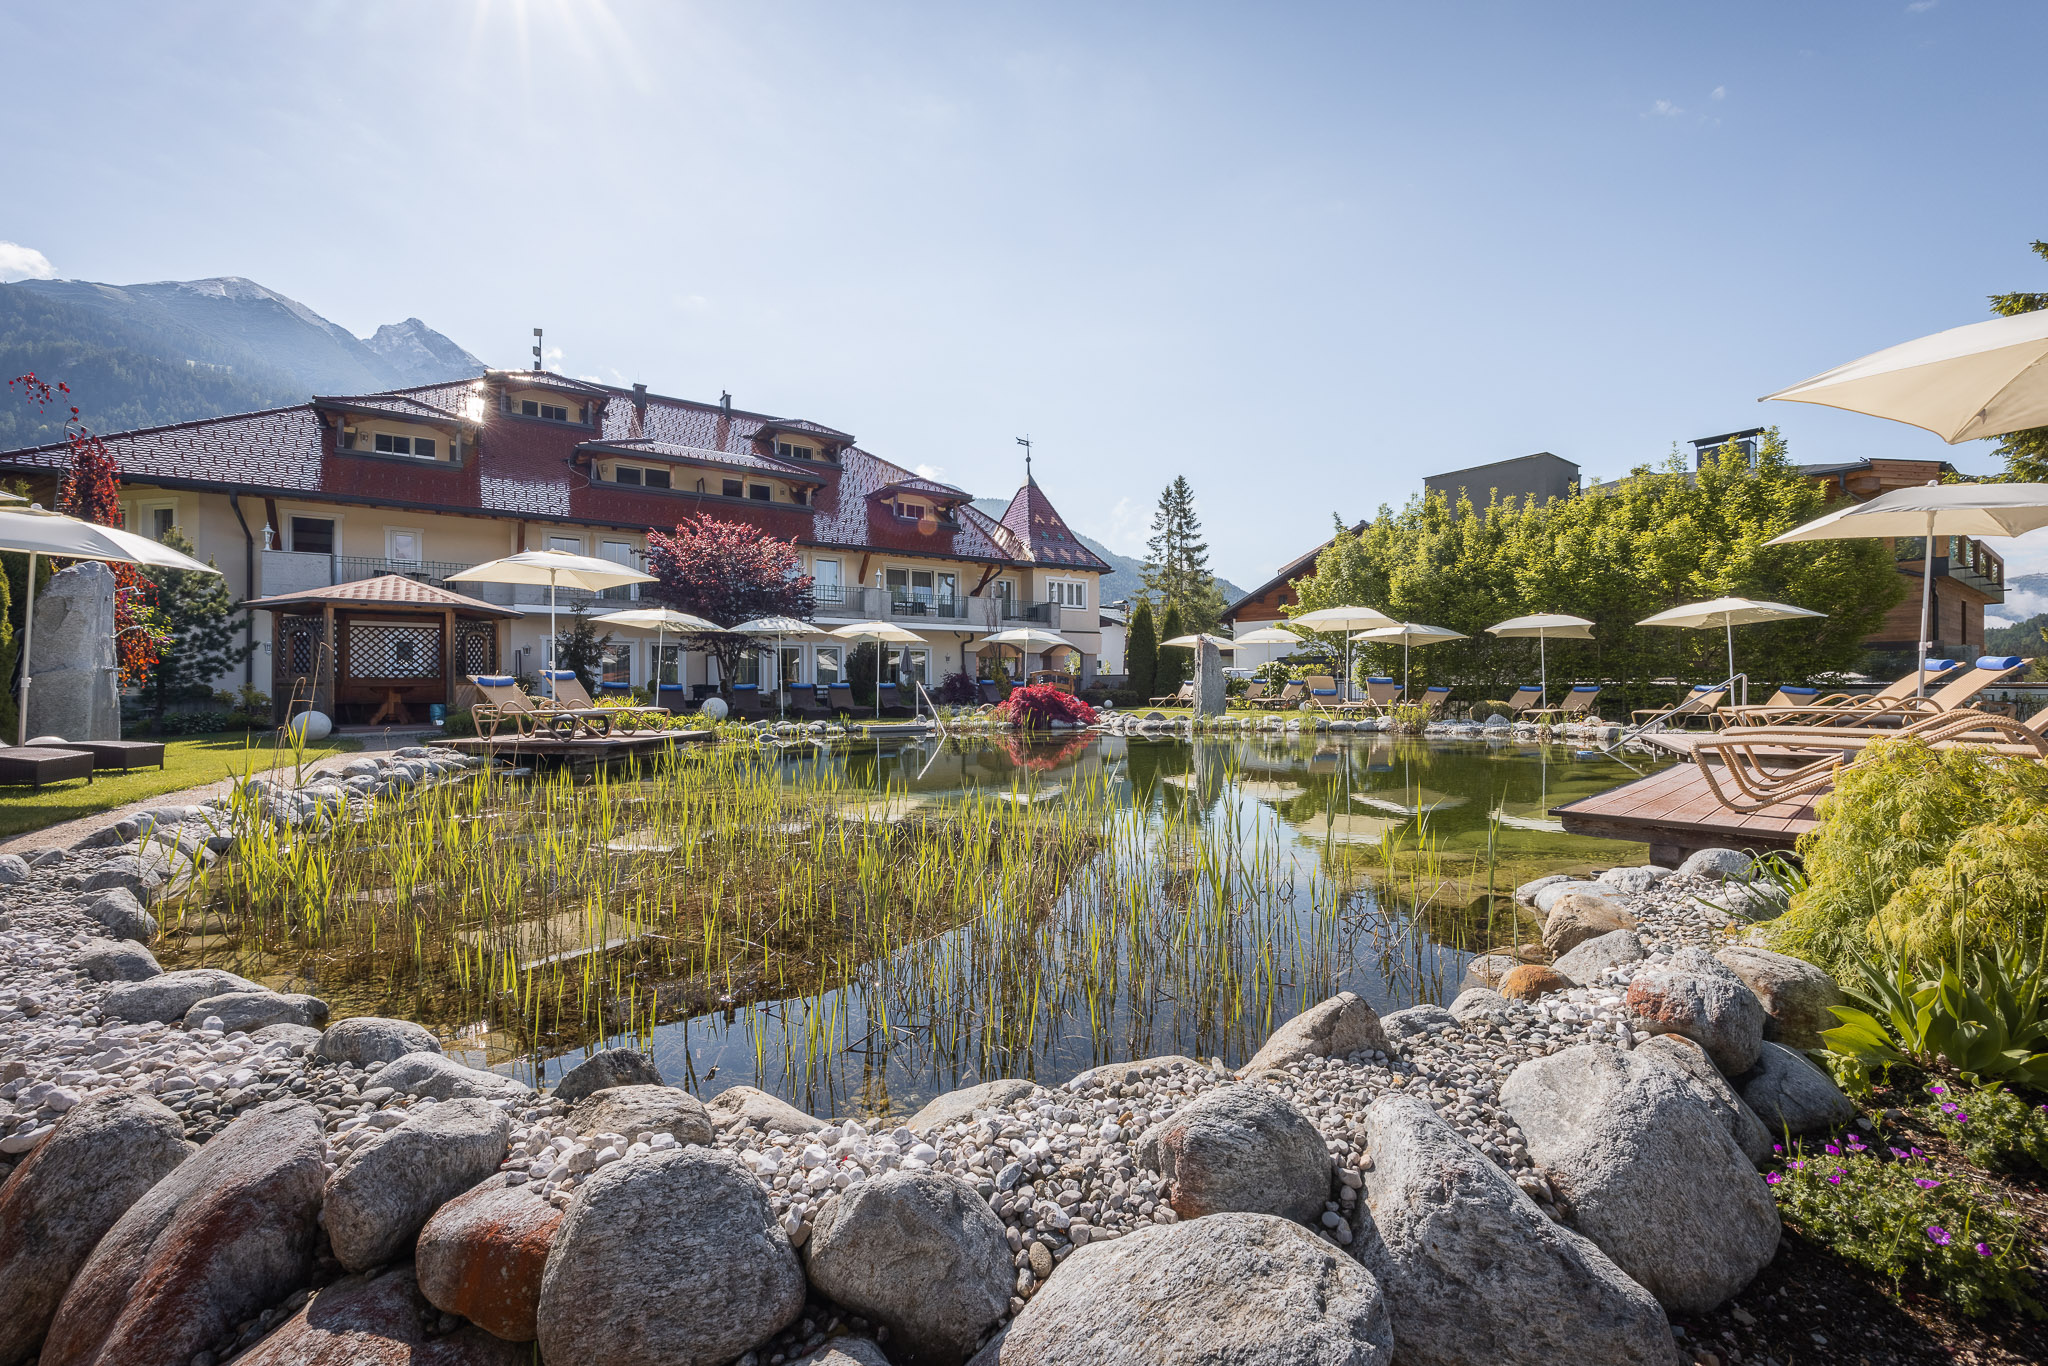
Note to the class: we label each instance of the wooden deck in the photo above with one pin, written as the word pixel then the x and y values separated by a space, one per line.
pixel 582 750
pixel 1675 813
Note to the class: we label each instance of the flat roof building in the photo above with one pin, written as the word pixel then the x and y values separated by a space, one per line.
pixel 1541 476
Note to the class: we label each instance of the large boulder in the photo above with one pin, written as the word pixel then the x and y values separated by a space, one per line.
pixel 142 876
pixel 300 1039
pixel 1675 1050
pixel 1525 894
pixel 607 1068
pixel 103 1155
pixel 921 1253
pixel 439 1077
pixel 757 1109
pixel 1633 880
pixel 368 1038
pixel 1240 1150
pixel 223 1237
pixel 249 1011
pixel 1480 1004
pixel 378 1320
pixel 672 1258
pixel 1417 1022
pixel 1796 995
pixel 1789 1093
pixel 1242 1289
pixel 1474 1272
pixel 483 1253
pixel 1717 864
pixel 118 960
pixel 1644 1166
pixel 383 1192
pixel 942 1110
pixel 169 995
pixel 1580 914
pixel 846 1352
pixel 1487 970
pixel 1336 1028
pixel 1586 963
pixel 637 1110
pixel 1530 981
pixel 1694 994
pixel 121 912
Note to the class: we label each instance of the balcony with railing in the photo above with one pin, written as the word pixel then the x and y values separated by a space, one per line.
pixel 1962 558
pixel 1043 612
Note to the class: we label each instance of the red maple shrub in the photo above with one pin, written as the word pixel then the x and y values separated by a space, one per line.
pixel 727 573
pixel 1038 706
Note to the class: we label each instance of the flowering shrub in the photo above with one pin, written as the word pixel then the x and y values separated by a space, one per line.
pixel 1896 1213
pixel 1037 707
pixel 1992 1127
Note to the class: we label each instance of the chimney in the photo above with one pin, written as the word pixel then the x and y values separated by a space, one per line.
pixel 639 411
pixel 725 402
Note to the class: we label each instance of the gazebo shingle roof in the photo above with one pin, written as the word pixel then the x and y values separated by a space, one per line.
pixel 386 590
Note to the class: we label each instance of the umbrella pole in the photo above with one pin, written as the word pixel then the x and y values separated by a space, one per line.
pixel 1926 609
pixel 780 681
pixel 28 638
pixel 554 641
pixel 1728 625
pixel 1542 669
pixel 1404 667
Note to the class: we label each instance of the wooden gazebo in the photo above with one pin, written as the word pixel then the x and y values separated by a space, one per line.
pixel 379 651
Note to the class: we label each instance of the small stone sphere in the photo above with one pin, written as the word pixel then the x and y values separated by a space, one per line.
pixel 714 708
pixel 309 726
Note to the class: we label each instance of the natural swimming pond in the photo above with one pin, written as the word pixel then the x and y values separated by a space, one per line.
pixel 860 925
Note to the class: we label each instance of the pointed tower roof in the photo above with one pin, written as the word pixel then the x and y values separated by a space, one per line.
pixel 1038 532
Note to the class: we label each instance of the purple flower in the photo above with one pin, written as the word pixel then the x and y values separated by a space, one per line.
pixel 1836 1178
pixel 1833 1151
pixel 1797 1166
pixel 1939 1235
pixel 1774 1178
pixel 1779 1147
pixel 1948 1107
pixel 1924 1184
pixel 1898 1153
pixel 1962 1118
pixel 1983 1250
pixel 1938 1089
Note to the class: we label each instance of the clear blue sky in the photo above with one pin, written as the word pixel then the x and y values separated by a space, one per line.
pixel 1302 254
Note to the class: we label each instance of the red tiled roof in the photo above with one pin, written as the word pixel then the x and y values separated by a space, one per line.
pixel 394 405
pixel 804 471
pixel 526 467
pixel 1042 535
pixel 392 590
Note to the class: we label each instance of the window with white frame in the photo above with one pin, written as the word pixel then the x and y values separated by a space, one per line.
pixel 1067 592
pixel 158 519
pixel 826 665
pixel 404 545
pixel 385 443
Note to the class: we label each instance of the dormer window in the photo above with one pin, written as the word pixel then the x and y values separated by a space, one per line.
pixel 384 443
pixel 914 511
pixel 546 412
pixel 761 493
pixel 640 475
pixel 789 450
pixel 732 489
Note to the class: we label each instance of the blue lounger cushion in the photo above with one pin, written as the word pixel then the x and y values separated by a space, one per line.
pixel 1999 662
pixel 559 675
pixel 495 680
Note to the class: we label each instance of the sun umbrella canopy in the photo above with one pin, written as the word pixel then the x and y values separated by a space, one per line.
pixel 1410 633
pixel 658 619
pixel 1985 379
pixel 1544 626
pixel 1189 642
pixel 775 626
pixel 1343 619
pixel 1727 612
pixel 557 568
pixel 1025 638
pixel 878 630
pixel 1267 635
pixel 36 531
pixel 1957 510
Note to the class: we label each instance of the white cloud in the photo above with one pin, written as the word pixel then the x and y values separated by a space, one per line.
pixel 1720 92
pixel 1125 529
pixel 936 472
pixel 24 263
pixel 1921 6
pixel 1665 109
pixel 2023 559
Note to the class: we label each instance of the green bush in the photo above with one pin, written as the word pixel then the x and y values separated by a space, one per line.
pixel 1922 851
pixel 1993 1127
pixel 1984 1017
pixel 1900 1215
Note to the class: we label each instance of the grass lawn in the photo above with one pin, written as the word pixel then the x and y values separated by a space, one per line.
pixel 189 760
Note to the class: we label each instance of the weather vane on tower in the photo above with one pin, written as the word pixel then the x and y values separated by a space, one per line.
pixel 1025 442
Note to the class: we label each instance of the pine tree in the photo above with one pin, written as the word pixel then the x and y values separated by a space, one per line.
pixel 1176 663
pixel 2026 453
pixel 1141 652
pixel 197 615
pixel 1177 560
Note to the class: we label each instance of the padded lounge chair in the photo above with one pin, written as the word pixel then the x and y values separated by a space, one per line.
pixel 121 754
pixel 1381 695
pixel 1322 691
pixel 34 765
pixel 1744 782
pixel 570 693
pixel 506 704
pixel 1698 704
pixel 1436 698
pixel 1254 693
pixel 889 701
pixel 1576 706
pixel 1184 696
pixel 1527 696
pixel 839 697
pixel 1807 705
pixel 1952 696
pixel 1288 698
pixel 992 692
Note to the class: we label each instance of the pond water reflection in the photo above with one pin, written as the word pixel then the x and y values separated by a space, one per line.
pixel 1245 879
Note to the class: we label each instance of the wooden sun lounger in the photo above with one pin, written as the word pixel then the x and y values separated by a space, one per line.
pixel 1896 713
pixel 1794 704
pixel 572 695
pixel 1745 781
pixel 505 703
pixel 1700 703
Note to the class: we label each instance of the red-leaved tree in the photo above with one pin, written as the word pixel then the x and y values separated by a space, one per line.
pixel 727 573
pixel 91 491
pixel 1041 704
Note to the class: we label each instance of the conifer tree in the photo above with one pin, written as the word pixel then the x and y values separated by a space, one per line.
pixel 1175 663
pixel 1177 560
pixel 1141 652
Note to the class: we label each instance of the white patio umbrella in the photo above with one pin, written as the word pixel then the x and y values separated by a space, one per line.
pixel 1029 640
pixel 1932 510
pixel 1267 635
pixel 34 531
pixel 1985 379
pixel 1189 642
pixel 1543 626
pixel 1344 619
pixel 781 628
pixel 883 633
pixel 555 568
pixel 1410 633
pixel 1727 613
pixel 659 620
